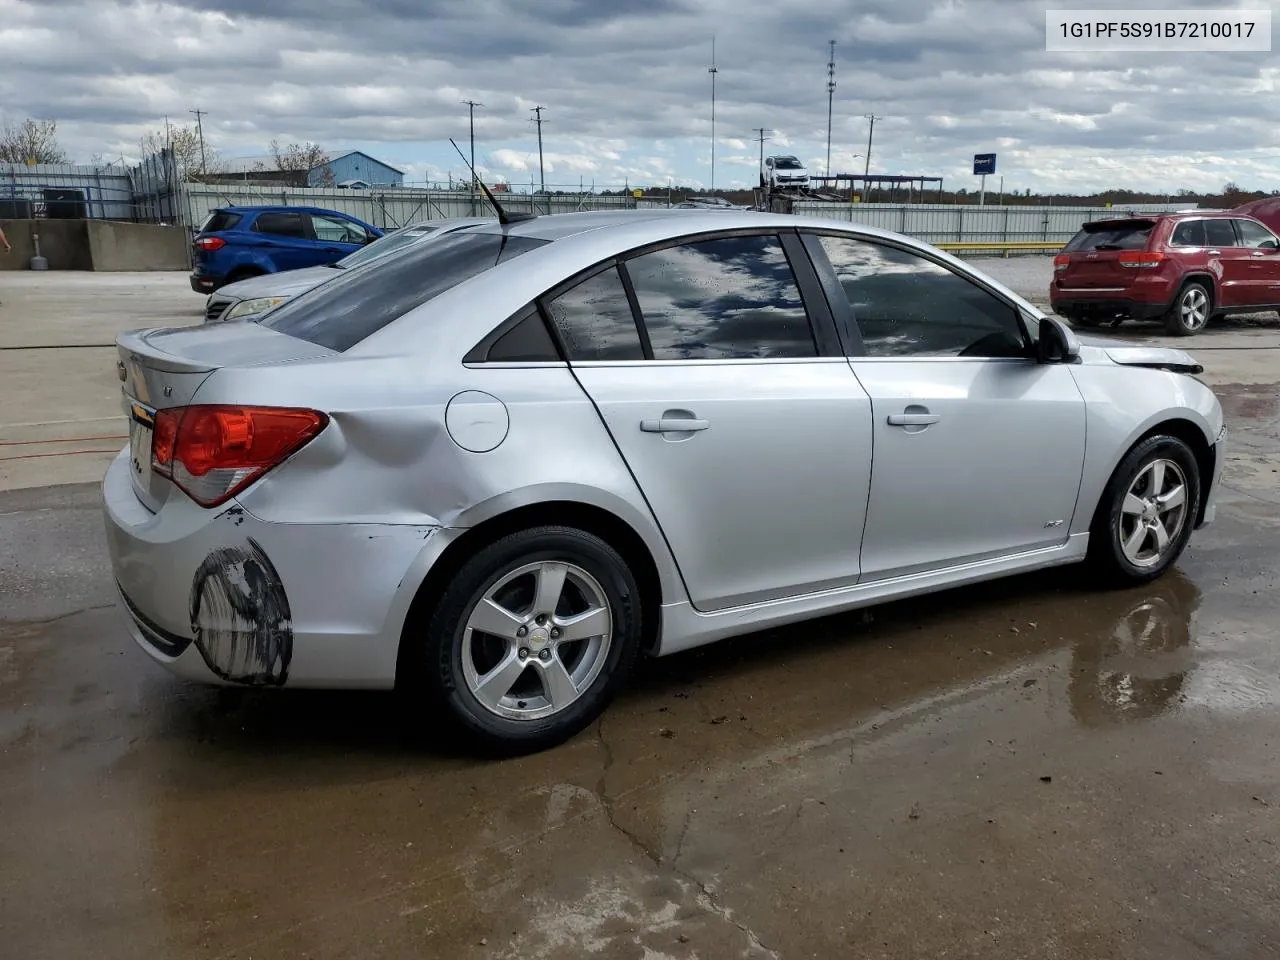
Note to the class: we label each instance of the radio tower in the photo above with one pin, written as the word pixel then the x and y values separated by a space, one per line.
pixel 831 92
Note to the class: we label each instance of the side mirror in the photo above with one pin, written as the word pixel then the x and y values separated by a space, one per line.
pixel 1058 342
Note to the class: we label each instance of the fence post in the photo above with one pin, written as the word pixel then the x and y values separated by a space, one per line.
pixel 1006 225
pixel 959 224
pixel 903 220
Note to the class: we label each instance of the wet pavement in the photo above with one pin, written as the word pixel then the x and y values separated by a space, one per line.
pixel 1027 769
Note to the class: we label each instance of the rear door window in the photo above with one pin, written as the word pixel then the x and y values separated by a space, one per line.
pixel 1189 233
pixel 220 220
pixel 594 320
pixel 282 225
pixel 1132 235
pixel 723 299
pixel 1219 233
pixel 343 311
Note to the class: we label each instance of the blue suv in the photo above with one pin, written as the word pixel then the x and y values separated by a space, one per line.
pixel 236 243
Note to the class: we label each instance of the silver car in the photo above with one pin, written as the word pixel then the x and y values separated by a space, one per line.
pixel 247 299
pixel 496 469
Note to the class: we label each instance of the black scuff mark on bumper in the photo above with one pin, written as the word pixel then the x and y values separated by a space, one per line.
pixel 240 617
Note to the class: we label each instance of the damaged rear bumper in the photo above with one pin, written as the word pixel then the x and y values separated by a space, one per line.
pixel 224 597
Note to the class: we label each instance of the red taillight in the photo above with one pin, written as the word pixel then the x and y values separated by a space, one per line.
pixel 1140 258
pixel 1061 262
pixel 211 243
pixel 212 452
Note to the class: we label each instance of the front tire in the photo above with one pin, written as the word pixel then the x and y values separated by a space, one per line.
pixel 1190 311
pixel 1147 513
pixel 533 638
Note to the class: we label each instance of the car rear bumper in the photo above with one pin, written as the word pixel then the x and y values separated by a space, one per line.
pixel 221 596
pixel 1107 305
pixel 204 282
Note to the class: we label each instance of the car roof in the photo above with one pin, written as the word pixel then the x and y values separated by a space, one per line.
pixel 280 208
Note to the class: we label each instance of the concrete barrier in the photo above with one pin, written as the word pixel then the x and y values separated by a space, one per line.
pixel 137 246
pixel 96 245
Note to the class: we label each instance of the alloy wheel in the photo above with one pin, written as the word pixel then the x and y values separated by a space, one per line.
pixel 1194 308
pixel 536 640
pixel 1153 513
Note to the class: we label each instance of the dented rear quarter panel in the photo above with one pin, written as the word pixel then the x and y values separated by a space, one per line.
pixel 388 459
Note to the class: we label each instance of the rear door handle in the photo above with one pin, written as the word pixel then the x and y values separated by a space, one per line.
pixel 912 419
pixel 1257 253
pixel 1214 253
pixel 673 425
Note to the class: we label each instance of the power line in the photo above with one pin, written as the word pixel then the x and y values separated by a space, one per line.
pixel 713 70
pixel 542 176
pixel 831 91
pixel 200 115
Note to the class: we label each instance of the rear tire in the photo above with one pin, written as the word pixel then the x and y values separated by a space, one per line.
pixel 1190 311
pixel 502 688
pixel 1146 514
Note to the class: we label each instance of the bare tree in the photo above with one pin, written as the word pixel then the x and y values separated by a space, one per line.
pixel 31 141
pixel 189 158
pixel 300 159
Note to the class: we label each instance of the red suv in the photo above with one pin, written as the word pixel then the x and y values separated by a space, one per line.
pixel 1184 268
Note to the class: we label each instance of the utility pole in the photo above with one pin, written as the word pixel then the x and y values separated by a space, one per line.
pixel 866 170
pixel 200 129
pixel 760 135
pixel 471 106
pixel 713 70
pixel 831 92
pixel 542 176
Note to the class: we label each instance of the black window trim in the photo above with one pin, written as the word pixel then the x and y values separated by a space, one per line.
pixel 824 266
pixel 822 325
pixel 479 354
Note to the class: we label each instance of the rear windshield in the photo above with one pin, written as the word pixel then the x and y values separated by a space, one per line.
pixel 384 245
pixel 220 220
pixel 1123 236
pixel 342 312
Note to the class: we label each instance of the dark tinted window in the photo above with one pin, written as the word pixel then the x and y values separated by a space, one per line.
pixel 594 320
pixel 527 341
pixel 907 306
pixel 358 302
pixel 281 224
pixel 1189 233
pixel 1219 233
pixel 1124 235
pixel 722 299
pixel 1254 234
pixel 220 220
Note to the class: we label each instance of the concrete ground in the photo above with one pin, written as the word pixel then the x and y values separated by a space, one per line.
pixel 1028 769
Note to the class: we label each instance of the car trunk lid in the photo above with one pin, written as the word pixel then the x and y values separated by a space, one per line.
pixel 165 368
pixel 1094 258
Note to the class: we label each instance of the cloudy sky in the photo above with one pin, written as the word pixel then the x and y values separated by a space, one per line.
pixel 627 93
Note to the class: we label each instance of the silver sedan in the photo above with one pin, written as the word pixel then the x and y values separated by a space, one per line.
pixel 497 468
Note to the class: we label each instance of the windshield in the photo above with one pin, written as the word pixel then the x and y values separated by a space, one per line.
pixel 1124 236
pixel 384 245
pixel 787 163
pixel 342 312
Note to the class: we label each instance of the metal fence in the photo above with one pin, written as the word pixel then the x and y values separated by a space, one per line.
pixel 388 208
pixel 958 223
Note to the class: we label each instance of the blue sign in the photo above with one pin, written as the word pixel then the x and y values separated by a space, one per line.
pixel 984 163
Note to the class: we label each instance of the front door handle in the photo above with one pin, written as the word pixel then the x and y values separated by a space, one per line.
pixel 674 425
pixel 912 419
pixel 1214 253
pixel 1257 253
